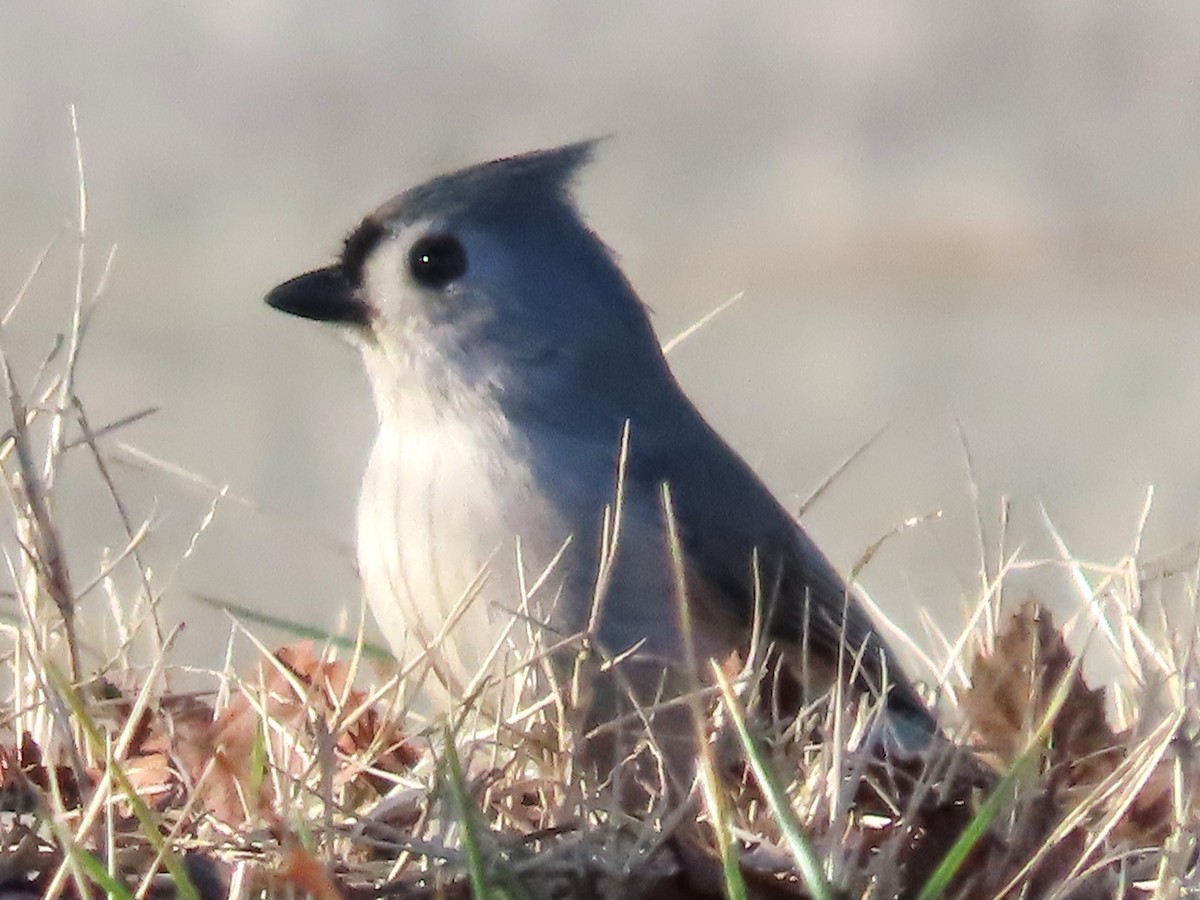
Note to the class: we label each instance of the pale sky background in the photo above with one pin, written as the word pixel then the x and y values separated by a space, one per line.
pixel 983 213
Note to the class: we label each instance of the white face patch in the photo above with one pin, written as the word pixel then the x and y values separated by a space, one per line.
pixel 426 355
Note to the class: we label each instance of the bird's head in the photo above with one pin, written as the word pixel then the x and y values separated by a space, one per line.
pixel 485 281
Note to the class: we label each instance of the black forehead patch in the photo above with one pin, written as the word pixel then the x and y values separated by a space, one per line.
pixel 358 246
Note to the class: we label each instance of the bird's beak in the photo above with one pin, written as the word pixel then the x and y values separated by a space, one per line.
pixel 324 295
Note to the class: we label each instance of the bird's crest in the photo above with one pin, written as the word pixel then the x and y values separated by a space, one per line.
pixel 510 181
pixel 541 174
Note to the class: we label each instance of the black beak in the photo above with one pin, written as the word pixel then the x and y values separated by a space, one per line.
pixel 323 294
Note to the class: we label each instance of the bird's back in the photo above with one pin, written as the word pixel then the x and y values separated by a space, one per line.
pixel 742 544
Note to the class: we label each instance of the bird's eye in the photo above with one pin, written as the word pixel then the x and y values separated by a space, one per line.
pixel 436 260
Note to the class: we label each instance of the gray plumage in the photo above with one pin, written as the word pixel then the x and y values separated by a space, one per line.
pixel 507 352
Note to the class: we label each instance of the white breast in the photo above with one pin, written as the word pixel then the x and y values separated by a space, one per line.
pixel 441 550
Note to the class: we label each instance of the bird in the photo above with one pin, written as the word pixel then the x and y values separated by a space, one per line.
pixel 540 481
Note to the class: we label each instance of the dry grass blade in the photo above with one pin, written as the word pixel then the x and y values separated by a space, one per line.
pixel 674 342
pixel 976 505
pixel 828 481
pixel 38 535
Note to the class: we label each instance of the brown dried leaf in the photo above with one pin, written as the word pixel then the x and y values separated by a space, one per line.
pixel 327 683
pixel 1011 690
pixel 170 736
pixel 1010 694
pixel 301 869
pixel 30 766
pixel 1151 816
pixel 309 697
pixel 155 780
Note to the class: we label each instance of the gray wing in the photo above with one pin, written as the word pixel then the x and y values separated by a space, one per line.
pixel 725 514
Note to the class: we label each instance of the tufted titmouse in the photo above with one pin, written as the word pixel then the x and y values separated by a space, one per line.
pixel 528 424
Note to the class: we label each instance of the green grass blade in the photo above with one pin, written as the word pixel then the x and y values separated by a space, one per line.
pixel 456 783
pixel 956 856
pixel 296 628
pixel 731 870
pixel 803 854
pixel 482 887
pixel 146 819
pixel 95 870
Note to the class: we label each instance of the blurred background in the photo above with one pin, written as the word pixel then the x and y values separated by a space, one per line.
pixel 980 217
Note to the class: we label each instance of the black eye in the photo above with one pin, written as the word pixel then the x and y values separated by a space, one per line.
pixel 436 260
